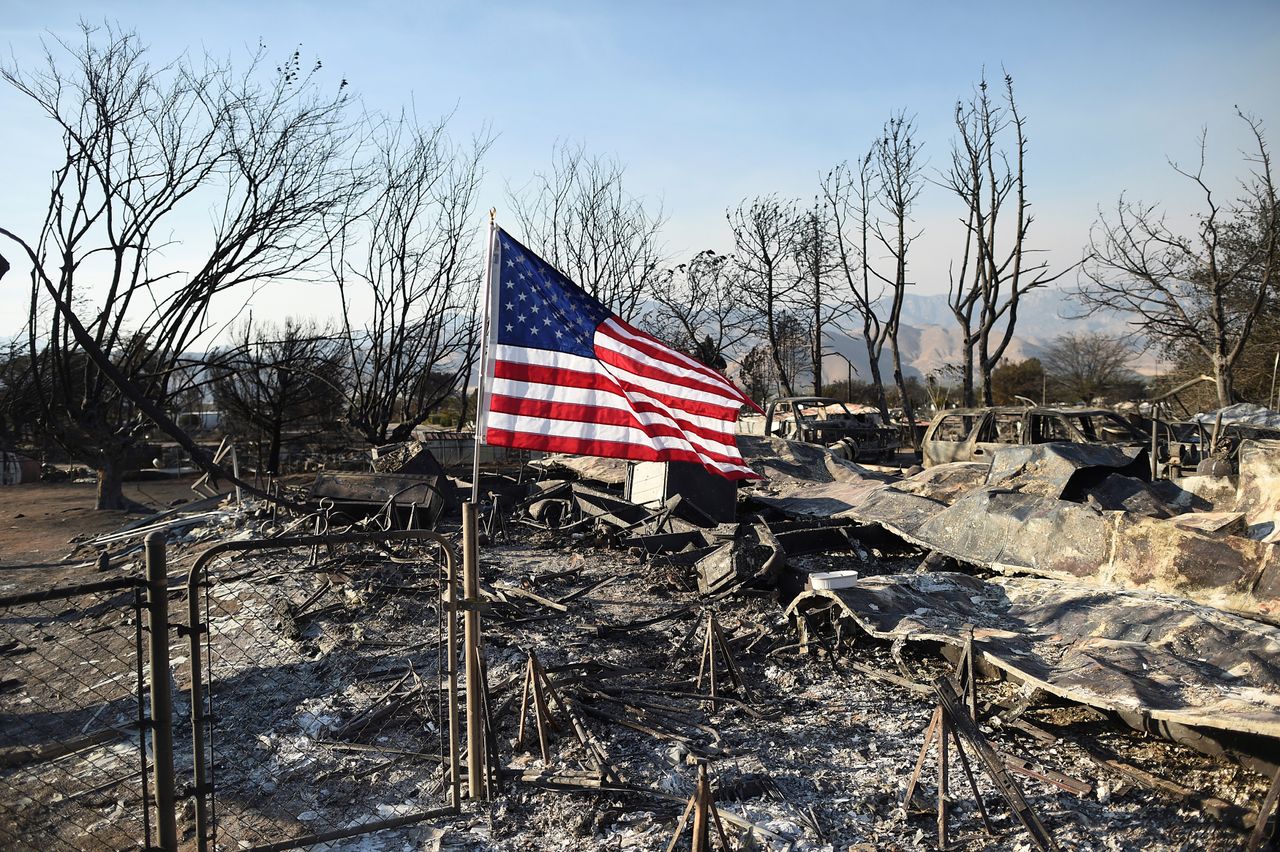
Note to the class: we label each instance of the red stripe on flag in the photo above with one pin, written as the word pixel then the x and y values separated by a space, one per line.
pixel 655 348
pixel 649 372
pixel 605 449
pixel 556 376
pixel 575 413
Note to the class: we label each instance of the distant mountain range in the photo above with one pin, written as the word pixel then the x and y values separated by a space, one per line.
pixel 931 339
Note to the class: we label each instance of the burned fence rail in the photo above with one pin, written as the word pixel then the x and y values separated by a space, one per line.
pixel 73 719
pixel 322 687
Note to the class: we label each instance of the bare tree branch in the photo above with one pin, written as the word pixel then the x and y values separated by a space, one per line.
pixel 581 220
pixel 996 268
pixel 1201 294
pixel 112 315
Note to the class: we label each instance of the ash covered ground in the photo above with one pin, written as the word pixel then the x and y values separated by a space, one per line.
pixel 814 754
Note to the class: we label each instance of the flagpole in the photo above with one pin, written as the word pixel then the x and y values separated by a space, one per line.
pixel 481 408
pixel 477 760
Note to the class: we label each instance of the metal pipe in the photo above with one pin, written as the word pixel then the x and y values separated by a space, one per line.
pixel 195 629
pixel 161 692
pixel 67 592
pixel 487 295
pixel 455 738
pixel 354 831
pixel 471 652
pixel 139 655
pixel 235 470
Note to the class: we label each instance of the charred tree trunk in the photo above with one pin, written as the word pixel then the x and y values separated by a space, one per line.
pixel 816 263
pixel 111 484
pixel 988 397
pixel 877 380
pixel 273 454
pixel 776 352
pixel 1223 381
pixel 908 410
pixel 967 380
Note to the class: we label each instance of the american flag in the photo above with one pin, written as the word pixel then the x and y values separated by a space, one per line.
pixel 565 375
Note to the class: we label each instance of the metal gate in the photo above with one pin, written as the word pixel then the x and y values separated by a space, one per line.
pixel 322 687
pixel 73 719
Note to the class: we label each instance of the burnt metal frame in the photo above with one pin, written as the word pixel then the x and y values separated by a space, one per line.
pixel 204 789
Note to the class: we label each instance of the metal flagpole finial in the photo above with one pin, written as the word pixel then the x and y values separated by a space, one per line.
pixel 493 212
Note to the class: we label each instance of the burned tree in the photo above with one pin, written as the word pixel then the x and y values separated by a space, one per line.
pixel 280 381
pixel 756 373
pixel 112 312
pixel 698 309
pixel 898 175
pixel 1201 294
pixel 848 197
pixel 764 237
pixel 1083 367
pixel 19 397
pixel 582 221
pixel 405 255
pixel 996 268
pixel 820 302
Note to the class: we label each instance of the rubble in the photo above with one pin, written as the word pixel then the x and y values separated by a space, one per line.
pixel 1056 470
pixel 705 499
pixel 1089 599
pixel 1242 413
pixel 1013 526
pixel 409 500
pixel 411 458
pixel 1258 491
pixel 1125 651
pixel 752 556
pixel 590 468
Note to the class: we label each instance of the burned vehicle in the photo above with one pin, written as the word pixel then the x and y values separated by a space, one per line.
pixel 971 434
pixel 853 432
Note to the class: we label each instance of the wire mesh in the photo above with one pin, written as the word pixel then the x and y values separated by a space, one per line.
pixel 73 764
pixel 325 690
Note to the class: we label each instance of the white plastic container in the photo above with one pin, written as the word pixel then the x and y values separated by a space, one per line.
pixel 833 580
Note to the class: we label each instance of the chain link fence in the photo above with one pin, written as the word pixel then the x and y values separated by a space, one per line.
pixel 322 688
pixel 73 719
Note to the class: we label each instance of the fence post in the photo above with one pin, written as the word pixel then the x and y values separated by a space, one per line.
pixel 161 691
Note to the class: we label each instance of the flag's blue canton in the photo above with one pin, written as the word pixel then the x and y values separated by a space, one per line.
pixel 539 307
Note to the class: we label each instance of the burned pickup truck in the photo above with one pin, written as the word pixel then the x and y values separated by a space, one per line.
pixel 852 432
pixel 971 434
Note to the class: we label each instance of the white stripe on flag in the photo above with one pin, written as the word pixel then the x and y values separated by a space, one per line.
pixel 726 394
pixel 605 399
pixel 683 363
pixel 597 432
pixel 569 361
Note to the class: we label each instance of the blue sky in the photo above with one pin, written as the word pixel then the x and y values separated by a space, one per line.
pixel 708 103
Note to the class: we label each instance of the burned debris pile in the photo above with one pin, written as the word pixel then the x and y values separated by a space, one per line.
pixel 1068 653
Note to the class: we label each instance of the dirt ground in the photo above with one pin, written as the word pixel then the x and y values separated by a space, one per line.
pixel 39 520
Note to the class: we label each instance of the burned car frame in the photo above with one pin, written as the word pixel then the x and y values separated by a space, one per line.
pixel 972 434
pixel 827 422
